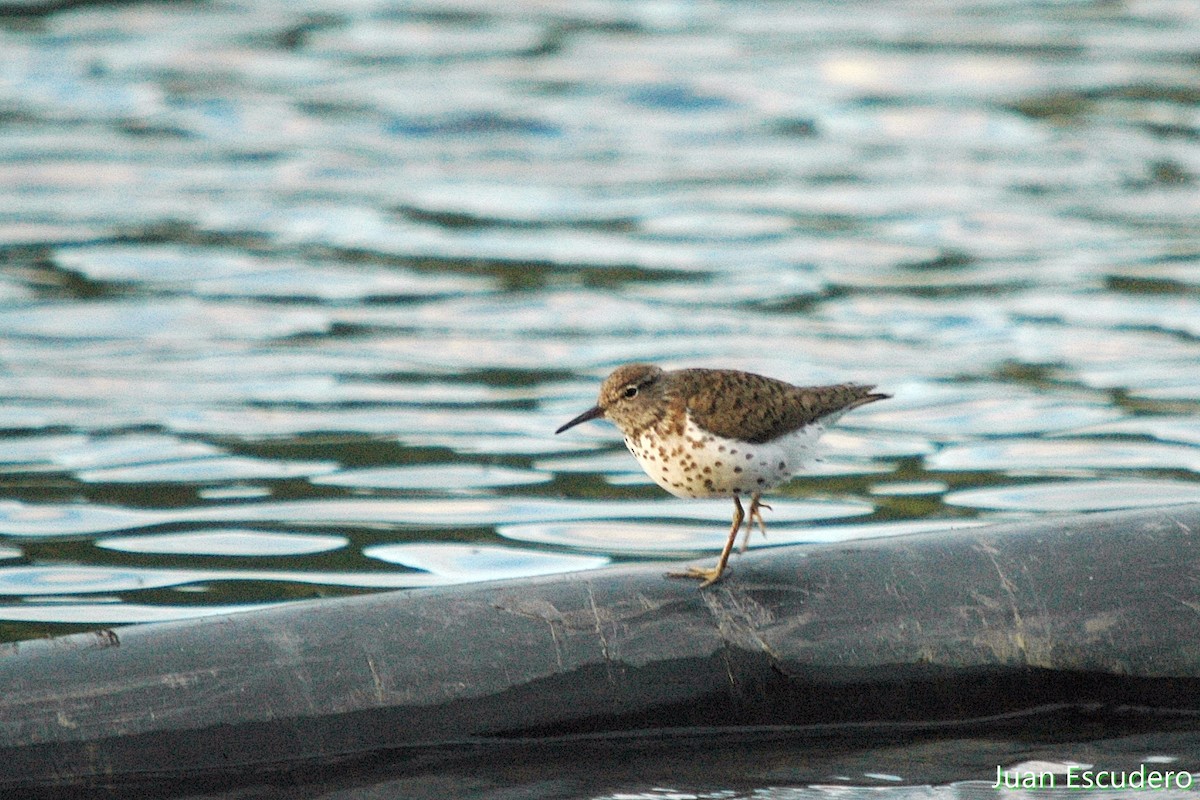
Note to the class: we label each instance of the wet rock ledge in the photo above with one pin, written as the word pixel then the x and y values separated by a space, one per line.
pixel 971 624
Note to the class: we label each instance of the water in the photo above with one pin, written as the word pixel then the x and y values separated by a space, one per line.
pixel 293 295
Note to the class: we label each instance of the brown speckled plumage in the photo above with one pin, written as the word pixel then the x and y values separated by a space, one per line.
pixel 757 409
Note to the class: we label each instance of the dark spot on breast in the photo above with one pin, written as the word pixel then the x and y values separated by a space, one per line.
pixel 737 469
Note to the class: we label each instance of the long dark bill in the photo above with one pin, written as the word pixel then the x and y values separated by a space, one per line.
pixel 591 413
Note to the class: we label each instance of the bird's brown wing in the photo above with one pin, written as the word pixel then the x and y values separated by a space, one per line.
pixel 754 408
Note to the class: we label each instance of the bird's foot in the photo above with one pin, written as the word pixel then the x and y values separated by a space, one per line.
pixel 710 575
pixel 755 515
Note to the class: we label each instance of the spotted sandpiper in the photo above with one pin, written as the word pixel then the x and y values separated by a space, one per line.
pixel 720 433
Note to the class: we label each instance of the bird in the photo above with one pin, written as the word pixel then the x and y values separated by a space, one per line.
pixel 713 433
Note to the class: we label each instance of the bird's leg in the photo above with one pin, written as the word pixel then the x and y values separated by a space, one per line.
pixel 713 574
pixel 754 514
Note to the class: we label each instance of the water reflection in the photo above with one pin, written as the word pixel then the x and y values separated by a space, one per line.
pixel 226 542
pixel 476 562
pixel 449 478
pixel 288 314
pixel 1080 495
pixel 57 580
pixel 666 541
pixel 1050 455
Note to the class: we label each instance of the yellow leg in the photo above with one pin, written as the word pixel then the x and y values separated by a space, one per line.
pixel 754 515
pixel 713 574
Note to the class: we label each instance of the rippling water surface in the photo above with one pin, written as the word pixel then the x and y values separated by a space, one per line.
pixel 293 295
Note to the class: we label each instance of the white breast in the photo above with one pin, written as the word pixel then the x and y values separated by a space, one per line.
pixel 702 464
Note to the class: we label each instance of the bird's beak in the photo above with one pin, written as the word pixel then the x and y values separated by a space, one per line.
pixel 591 413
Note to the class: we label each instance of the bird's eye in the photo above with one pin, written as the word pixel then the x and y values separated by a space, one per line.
pixel 630 392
